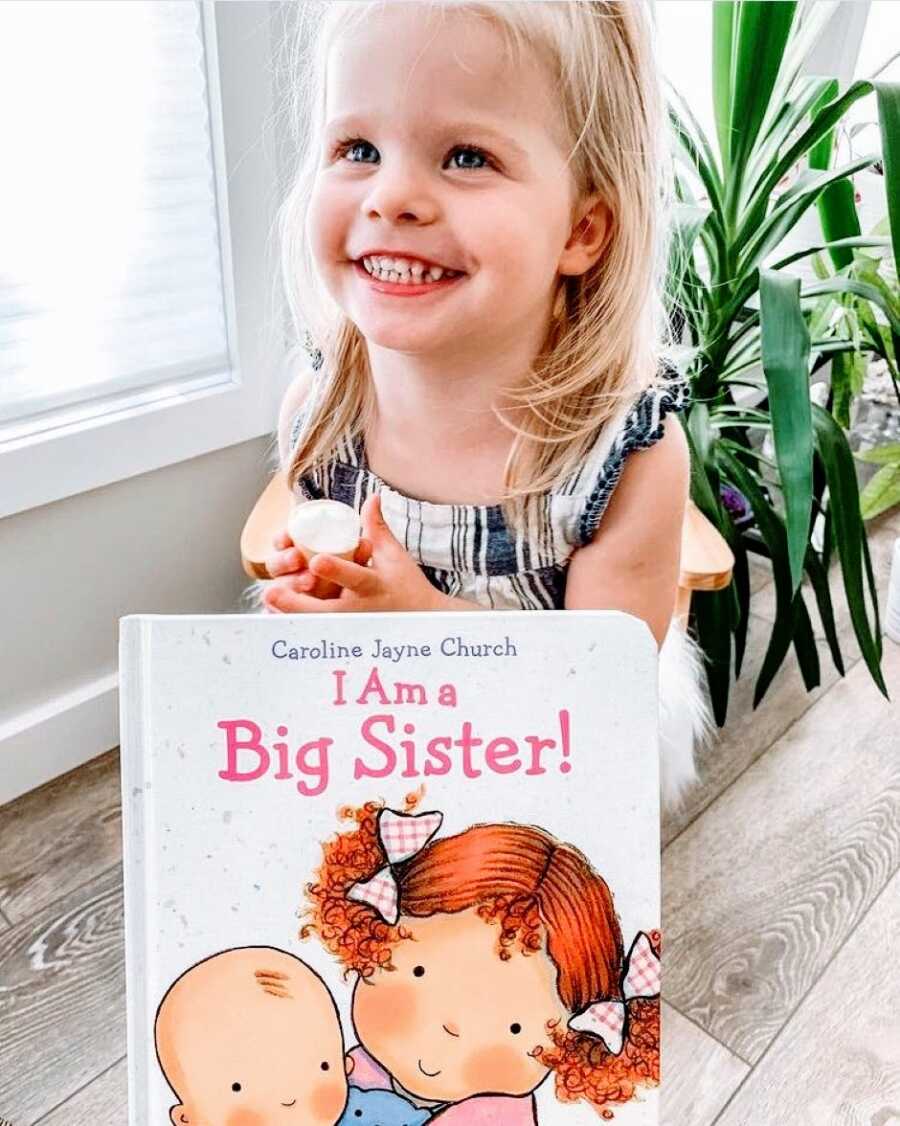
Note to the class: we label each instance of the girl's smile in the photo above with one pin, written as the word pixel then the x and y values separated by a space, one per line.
pixel 405 289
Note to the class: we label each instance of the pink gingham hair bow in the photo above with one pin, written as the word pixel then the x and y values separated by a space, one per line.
pixel 607 1019
pixel 402 835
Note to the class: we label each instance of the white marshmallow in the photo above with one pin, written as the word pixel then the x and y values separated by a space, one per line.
pixel 324 526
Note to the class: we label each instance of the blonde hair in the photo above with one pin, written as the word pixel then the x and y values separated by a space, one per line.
pixel 604 341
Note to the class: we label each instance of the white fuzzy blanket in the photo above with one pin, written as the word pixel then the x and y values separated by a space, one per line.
pixel 686 724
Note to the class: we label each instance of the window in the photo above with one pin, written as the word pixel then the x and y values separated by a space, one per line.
pixel 135 212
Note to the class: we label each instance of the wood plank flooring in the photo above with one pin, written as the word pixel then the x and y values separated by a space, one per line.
pixel 764 889
pixel 837 1062
pixel 699 1074
pixel 781 914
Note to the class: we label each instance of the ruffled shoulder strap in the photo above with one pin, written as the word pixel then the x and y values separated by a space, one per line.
pixel 636 426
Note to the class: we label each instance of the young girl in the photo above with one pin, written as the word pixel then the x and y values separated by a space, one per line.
pixel 484 962
pixel 472 245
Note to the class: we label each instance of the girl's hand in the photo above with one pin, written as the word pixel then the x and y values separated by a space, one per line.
pixel 391 581
pixel 288 566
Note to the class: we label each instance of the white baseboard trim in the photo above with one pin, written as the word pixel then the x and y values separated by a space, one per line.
pixel 56 736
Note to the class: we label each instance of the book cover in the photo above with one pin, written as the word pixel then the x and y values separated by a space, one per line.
pixel 388 868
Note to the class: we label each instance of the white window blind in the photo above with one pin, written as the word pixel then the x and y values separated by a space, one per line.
pixel 111 278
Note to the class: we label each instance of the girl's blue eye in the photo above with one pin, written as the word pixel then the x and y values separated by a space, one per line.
pixel 472 149
pixel 344 147
pixel 347 146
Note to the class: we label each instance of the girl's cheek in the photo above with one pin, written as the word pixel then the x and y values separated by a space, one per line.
pixel 245 1118
pixel 327 1101
pixel 385 1010
pixel 501 1068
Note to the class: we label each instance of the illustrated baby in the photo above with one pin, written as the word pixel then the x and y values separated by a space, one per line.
pixel 381 1108
pixel 251 1037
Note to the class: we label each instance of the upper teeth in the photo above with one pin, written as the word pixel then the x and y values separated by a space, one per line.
pixel 406 268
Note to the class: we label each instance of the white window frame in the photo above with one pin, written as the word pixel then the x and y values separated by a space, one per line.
pixel 160 426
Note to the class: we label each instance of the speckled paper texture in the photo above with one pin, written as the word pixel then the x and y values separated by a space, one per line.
pixel 243 736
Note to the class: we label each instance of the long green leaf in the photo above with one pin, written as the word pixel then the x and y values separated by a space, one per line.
pixel 820 153
pixel 881 492
pixel 888 94
pixel 805 645
pixel 878 338
pixel 711 611
pixel 888 454
pixel 848 371
pixel 685 223
pixel 819 127
pixel 772 531
pixel 837 204
pixel 839 218
pixel 818 577
pixel 763 27
pixel 842 284
pixel 741 582
pixel 784 126
pixel 859 242
pixel 779 223
pixel 723 31
pixel 692 131
pixel 785 358
pixel 787 211
pixel 848 531
pixel 689 152
pixel 810 24
pixel 873 595
pixel 749 280
pixel 704 477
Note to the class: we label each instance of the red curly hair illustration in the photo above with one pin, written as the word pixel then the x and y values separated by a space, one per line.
pixel 540 893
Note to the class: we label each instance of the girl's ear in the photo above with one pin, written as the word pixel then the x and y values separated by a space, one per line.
pixel 588 238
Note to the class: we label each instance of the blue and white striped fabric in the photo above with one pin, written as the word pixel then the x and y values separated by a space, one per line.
pixel 467 550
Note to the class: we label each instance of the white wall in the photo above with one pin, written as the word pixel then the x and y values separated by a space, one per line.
pixel 163 542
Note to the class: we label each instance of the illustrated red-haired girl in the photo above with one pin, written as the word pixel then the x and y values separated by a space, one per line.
pixel 484 961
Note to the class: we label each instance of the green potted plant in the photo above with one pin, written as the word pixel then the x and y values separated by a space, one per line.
pixel 751 341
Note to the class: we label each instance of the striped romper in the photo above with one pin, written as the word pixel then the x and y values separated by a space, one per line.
pixel 467 550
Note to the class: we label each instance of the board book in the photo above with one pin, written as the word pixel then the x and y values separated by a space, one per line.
pixel 384 869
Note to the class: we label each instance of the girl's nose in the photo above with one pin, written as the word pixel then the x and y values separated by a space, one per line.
pixel 399 208
pixel 450 1028
pixel 399 197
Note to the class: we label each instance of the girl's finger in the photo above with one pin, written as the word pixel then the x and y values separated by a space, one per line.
pixel 363 552
pixel 284 600
pixel 286 562
pixel 295 584
pixel 282 540
pixel 361 580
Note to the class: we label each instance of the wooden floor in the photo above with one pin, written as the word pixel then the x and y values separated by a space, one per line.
pixel 781 915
